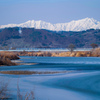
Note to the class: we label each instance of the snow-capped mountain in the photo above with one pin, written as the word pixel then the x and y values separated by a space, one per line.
pixel 78 25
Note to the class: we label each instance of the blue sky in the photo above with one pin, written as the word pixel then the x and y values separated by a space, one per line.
pixel 53 11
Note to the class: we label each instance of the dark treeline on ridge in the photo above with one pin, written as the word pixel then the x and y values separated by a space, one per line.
pixel 40 38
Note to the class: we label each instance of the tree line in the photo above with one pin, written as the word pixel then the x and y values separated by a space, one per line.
pixel 71 47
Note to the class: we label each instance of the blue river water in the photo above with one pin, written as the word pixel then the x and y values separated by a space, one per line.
pixel 81 81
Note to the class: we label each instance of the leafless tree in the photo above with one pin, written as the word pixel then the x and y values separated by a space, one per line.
pixel 71 47
pixel 93 45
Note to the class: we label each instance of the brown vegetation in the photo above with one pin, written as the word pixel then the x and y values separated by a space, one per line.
pixel 8 54
pixel 6 61
pixel 93 53
pixel 6 57
pixel 30 72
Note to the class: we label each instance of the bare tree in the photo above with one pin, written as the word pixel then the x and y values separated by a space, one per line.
pixel 93 45
pixel 4 93
pixel 71 47
pixel 27 96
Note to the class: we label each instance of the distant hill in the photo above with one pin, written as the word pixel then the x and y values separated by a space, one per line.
pixel 41 38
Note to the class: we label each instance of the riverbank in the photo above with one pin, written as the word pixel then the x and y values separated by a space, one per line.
pixel 91 53
pixel 6 57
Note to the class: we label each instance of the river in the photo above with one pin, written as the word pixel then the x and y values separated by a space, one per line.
pixel 81 80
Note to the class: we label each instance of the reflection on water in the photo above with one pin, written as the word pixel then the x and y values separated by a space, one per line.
pixel 82 83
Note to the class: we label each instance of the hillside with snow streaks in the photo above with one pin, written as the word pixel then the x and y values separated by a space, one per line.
pixel 78 25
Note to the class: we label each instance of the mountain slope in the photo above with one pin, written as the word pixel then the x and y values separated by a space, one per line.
pixel 30 37
pixel 78 25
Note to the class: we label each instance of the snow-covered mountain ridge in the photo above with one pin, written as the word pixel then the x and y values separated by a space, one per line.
pixel 78 25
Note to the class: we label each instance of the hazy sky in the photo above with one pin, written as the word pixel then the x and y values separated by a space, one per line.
pixel 53 11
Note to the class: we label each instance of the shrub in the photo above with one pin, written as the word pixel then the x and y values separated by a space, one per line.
pixel 4 91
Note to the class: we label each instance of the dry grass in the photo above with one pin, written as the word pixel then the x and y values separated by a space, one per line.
pixel 95 52
pixel 6 57
pixel 6 61
pixel 8 54
pixel 92 53
pixel 57 54
pixel 30 72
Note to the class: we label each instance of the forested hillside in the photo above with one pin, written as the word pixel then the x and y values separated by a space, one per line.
pixel 30 37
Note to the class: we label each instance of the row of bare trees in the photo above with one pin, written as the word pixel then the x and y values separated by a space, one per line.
pixel 71 47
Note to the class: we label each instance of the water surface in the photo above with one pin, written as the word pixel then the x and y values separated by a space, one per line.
pixel 80 82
